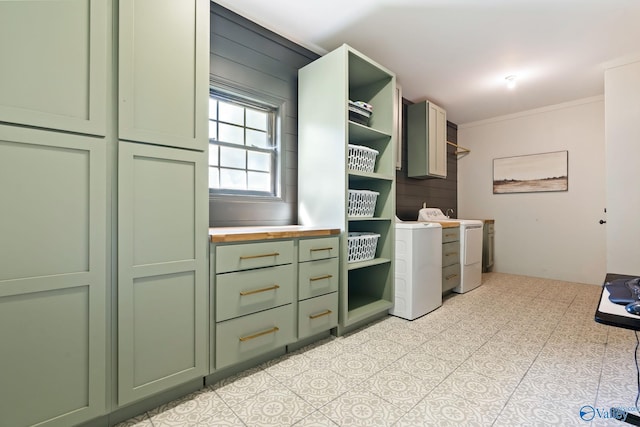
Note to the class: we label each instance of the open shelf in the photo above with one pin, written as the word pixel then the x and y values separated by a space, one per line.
pixel 324 133
pixel 368 263
pixel 362 307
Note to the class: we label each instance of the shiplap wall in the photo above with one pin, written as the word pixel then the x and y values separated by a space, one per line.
pixel 253 60
pixel 249 59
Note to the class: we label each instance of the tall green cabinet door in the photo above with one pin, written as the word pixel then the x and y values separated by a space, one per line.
pixel 162 269
pixel 52 277
pixel 54 63
pixel 164 72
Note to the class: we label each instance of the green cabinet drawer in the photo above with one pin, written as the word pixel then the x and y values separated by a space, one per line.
pixel 253 255
pixel 246 292
pixel 249 336
pixel 450 253
pixel 317 278
pixel 488 227
pixel 312 249
pixel 450 277
pixel 317 315
pixel 450 234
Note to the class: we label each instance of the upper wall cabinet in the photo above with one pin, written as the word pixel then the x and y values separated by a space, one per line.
pixel 54 64
pixel 164 72
pixel 426 140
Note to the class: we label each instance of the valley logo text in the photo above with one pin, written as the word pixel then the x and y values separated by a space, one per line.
pixel 588 413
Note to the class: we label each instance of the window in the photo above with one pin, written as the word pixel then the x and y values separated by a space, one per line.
pixel 243 148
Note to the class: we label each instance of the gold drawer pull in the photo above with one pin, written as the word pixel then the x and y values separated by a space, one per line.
pixel 449 235
pixel 259 334
pixel 259 256
pixel 326 276
pixel 451 253
pixel 451 276
pixel 322 249
pixel 324 313
pixel 257 291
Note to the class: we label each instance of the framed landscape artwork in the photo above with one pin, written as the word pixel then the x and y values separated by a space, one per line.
pixel 531 173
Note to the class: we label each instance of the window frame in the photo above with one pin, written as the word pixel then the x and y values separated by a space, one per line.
pixel 259 101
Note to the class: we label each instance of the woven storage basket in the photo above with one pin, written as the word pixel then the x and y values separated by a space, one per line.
pixel 362 158
pixel 362 203
pixel 361 246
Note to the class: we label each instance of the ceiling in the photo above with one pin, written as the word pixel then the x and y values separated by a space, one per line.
pixel 457 53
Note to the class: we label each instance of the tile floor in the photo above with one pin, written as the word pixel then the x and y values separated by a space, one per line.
pixel 515 351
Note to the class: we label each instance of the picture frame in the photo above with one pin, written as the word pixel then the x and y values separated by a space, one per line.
pixel 532 173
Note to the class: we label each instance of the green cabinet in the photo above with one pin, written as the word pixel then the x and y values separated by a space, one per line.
pixel 450 258
pixel 163 72
pixel 426 140
pixel 318 281
pixel 104 240
pixel 162 269
pixel 54 64
pixel 53 292
pixel 325 132
pixel 269 292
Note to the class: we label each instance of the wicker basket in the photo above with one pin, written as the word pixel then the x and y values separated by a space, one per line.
pixel 362 246
pixel 362 203
pixel 362 158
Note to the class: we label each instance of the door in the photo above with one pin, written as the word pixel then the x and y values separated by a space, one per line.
pixel 162 269
pixel 622 130
pixel 164 72
pixel 53 329
pixel 54 64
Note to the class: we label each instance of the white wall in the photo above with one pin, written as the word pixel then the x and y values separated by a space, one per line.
pixel 622 106
pixel 554 234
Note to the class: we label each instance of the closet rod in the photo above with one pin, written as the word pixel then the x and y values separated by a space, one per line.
pixel 459 149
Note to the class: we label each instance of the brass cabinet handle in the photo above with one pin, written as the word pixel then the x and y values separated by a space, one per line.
pixel 450 253
pixel 259 334
pixel 324 313
pixel 257 291
pixel 449 235
pixel 451 276
pixel 259 256
pixel 322 249
pixel 326 276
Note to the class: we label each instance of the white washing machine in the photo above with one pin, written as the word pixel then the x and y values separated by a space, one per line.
pixel 418 269
pixel 470 247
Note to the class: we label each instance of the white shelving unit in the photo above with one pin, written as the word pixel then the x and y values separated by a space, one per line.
pixel 324 132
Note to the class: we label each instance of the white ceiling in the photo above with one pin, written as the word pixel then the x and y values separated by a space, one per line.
pixel 457 53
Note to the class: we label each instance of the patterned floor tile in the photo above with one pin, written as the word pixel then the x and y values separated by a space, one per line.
pixel 276 406
pixel 315 419
pixel 319 387
pixel 397 387
pixel 539 412
pixel 139 421
pixel 431 370
pixel 361 408
pixel 449 410
pixel 355 366
pixel 194 409
pixel 237 388
pixel 287 366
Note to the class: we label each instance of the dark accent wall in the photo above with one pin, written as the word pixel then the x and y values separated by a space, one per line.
pixel 251 60
pixel 248 58
pixel 441 193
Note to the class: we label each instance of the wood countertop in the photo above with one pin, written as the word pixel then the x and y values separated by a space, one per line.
pixel 240 234
pixel 489 221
